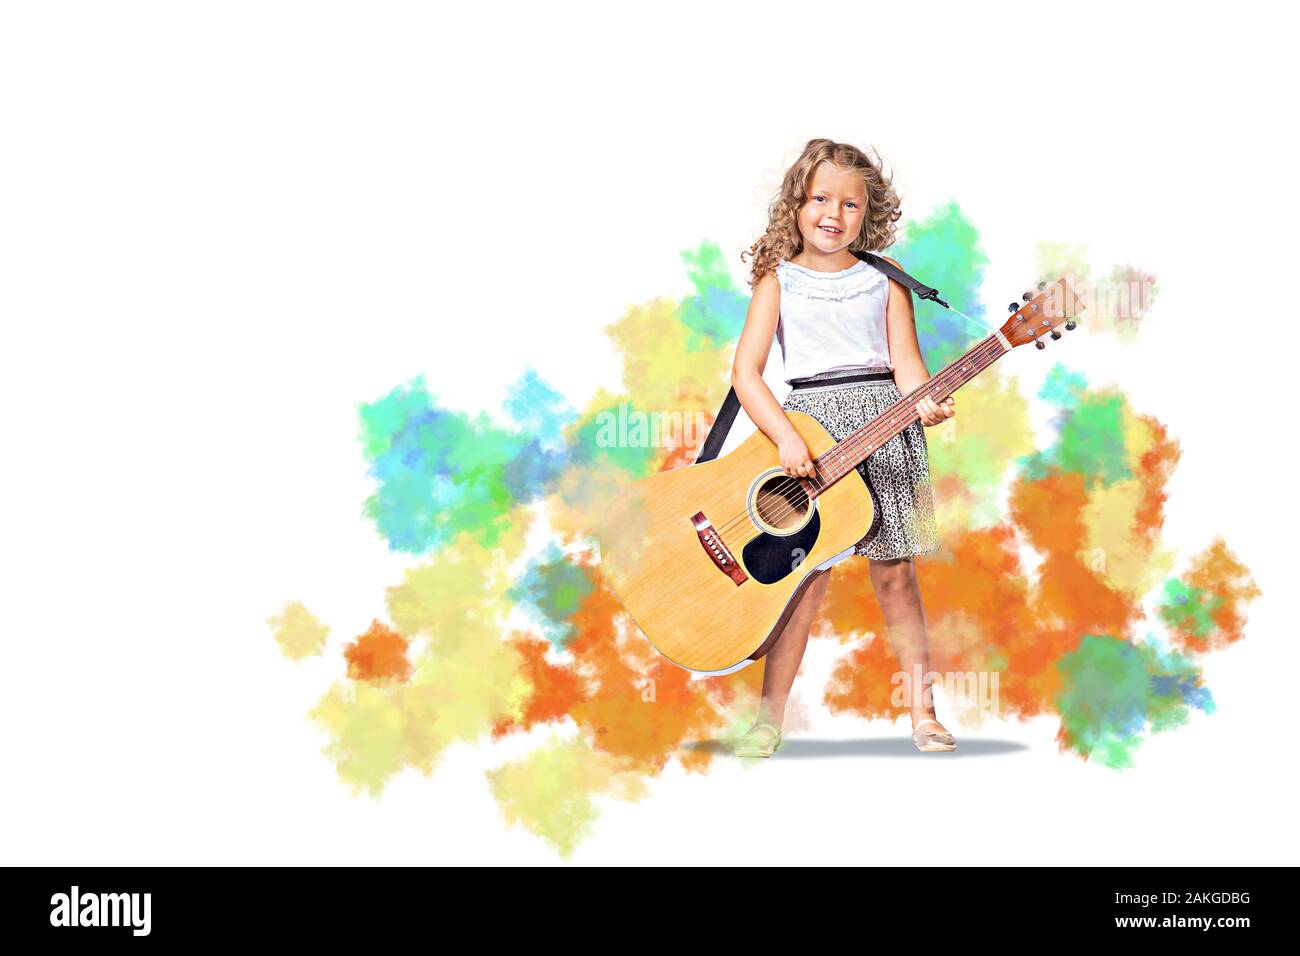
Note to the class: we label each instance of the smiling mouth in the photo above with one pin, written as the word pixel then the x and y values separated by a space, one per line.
pixel 831 229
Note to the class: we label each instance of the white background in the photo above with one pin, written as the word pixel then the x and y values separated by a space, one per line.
pixel 222 225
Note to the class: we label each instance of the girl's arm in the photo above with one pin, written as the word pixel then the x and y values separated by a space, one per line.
pixel 905 352
pixel 747 378
pixel 752 352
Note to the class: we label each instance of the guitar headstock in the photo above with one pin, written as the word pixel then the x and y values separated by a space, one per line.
pixel 1039 315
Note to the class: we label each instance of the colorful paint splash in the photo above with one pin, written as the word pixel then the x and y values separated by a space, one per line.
pixel 1049 556
pixel 297 631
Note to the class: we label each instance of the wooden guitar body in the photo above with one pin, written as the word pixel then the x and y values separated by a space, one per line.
pixel 710 559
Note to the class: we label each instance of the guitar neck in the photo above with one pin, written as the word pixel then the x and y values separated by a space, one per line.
pixel 838 461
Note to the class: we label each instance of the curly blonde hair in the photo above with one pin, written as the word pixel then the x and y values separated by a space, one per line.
pixel 782 239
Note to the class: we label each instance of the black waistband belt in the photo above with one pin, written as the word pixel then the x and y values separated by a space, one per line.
pixel 842 379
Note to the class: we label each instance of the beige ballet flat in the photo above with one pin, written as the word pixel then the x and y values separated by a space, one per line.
pixel 929 741
pixel 762 740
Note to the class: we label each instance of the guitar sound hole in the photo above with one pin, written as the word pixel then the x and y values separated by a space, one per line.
pixel 781 502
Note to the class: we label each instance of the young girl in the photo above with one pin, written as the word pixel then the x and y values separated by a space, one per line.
pixel 839 318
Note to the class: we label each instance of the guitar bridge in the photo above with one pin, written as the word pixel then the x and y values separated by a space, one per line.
pixel 717 551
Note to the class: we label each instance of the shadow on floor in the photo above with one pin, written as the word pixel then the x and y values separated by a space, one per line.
pixel 804 748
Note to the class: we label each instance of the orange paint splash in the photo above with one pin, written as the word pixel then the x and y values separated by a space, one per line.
pixel 379 654
pixel 556 689
pixel 1217 571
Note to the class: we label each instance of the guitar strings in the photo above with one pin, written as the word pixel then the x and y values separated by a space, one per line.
pixel 800 501
pixel 781 489
pixel 979 353
pixel 794 503
pixel 792 490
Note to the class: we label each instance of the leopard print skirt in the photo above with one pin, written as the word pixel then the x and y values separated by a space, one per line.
pixel 897 473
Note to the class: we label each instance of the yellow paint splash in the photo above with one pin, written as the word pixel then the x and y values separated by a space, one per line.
pixel 297 631
pixel 466 677
pixel 1122 521
pixel 971 455
pixel 549 791
pixel 659 357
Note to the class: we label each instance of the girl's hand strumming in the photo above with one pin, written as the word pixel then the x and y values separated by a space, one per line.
pixel 794 456
pixel 933 413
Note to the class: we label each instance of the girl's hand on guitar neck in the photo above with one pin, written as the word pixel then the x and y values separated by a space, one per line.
pixel 933 413
pixel 795 458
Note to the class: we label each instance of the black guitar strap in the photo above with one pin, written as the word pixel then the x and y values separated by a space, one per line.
pixel 731 404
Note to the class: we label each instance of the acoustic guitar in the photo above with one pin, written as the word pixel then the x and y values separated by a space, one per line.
pixel 710 559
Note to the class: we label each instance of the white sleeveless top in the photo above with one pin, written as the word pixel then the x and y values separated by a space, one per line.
pixel 832 320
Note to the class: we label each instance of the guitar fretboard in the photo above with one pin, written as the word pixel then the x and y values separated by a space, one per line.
pixel 835 463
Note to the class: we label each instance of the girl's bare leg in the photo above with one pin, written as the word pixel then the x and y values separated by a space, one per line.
pixel 900 601
pixel 781 663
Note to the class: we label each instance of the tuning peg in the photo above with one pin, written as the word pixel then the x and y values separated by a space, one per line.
pixel 1027 296
pixel 1071 325
pixel 1042 286
pixel 1056 333
pixel 1012 306
pixel 1039 344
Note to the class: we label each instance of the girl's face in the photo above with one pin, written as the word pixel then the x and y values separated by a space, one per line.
pixel 832 215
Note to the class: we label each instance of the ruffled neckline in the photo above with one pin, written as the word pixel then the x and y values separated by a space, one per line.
pixel 836 286
pixel 813 272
